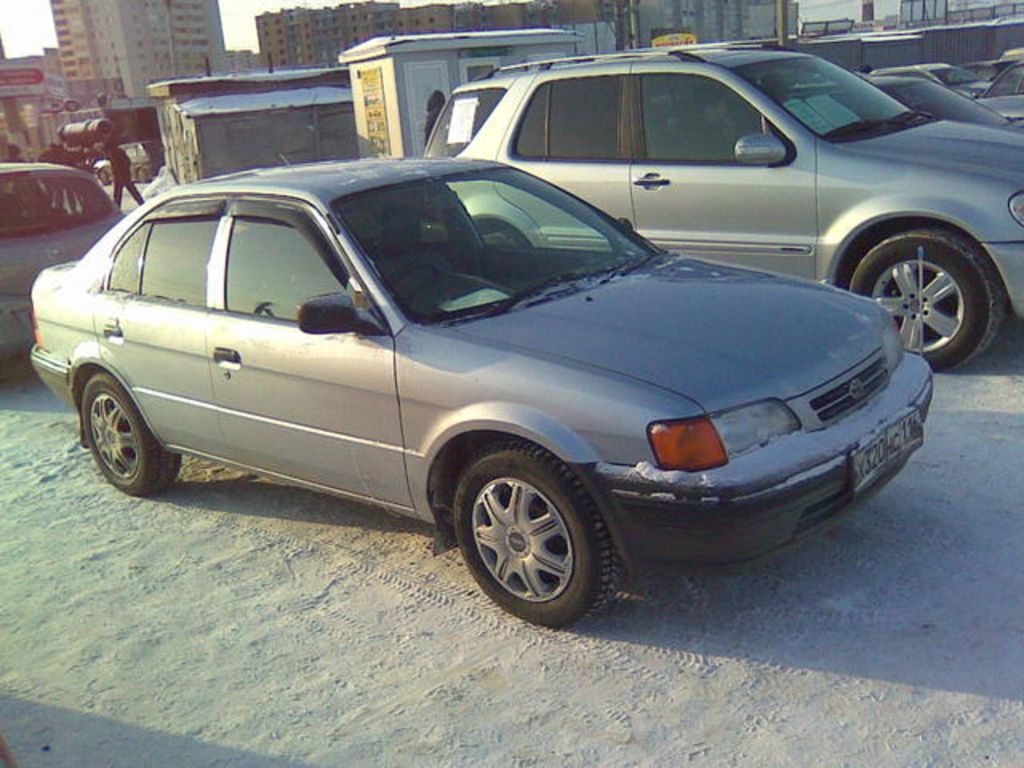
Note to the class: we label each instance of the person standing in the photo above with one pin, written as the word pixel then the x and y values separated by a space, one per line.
pixel 121 170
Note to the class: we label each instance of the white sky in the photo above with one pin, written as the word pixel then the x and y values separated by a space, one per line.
pixel 26 26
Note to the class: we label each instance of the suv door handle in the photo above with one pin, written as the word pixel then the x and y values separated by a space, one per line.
pixel 651 181
pixel 227 358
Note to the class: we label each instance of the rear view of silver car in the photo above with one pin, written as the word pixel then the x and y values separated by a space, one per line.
pixel 48 214
pixel 466 344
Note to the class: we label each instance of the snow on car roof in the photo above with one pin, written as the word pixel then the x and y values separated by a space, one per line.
pixel 289 98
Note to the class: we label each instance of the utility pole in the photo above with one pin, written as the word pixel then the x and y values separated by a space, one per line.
pixel 782 22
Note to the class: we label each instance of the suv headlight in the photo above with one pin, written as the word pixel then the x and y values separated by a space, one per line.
pixel 1017 208
pixel 892 344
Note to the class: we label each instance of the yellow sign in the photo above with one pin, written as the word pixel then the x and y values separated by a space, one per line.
pixel 675 38
pixel 376 112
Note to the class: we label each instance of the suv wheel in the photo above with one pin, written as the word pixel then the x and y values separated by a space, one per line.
pixel 944 294
pixel 532 536
pixel 124 449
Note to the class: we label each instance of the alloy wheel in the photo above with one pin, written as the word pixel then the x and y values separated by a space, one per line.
pixel 925 301
pixel 112 434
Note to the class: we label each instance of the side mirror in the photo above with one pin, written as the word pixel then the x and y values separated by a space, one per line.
pixel 760 149
pixel 335 313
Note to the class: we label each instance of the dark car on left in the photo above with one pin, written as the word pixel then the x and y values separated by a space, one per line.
pixel 48 214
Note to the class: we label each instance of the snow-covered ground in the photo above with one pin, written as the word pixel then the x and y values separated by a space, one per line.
pixel 237 622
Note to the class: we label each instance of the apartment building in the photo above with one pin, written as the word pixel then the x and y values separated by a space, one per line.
pixel 116 47
pixel 303 37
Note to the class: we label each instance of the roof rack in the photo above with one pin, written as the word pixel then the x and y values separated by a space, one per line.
pixel 641 53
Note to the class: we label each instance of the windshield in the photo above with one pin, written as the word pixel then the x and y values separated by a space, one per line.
pixel 483 242
pixel 954 75
pixel 941 102
pixel 824 97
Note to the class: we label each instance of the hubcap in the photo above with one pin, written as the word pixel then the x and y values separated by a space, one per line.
pixel 113 436
pixel 925 301
pixel 522 539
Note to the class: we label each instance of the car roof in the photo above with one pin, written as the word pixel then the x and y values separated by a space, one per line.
pixel 327 181
pixel 41 168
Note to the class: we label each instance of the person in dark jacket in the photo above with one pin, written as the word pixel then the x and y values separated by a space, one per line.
pixel 121 170
pixel 14 154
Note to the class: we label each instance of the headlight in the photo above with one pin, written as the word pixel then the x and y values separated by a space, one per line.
pixel 892 345
pixel 710 441
pixel 1017 207
pixel 753 425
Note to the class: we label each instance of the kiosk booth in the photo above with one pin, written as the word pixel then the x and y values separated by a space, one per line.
pixel 395 78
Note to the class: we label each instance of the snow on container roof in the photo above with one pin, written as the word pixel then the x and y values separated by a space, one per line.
pixel 292 98
pixel 295 73
pixel 434 41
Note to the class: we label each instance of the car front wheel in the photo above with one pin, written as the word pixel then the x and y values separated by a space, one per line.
pixel 533 537
pixel 125 450
pixel 943 293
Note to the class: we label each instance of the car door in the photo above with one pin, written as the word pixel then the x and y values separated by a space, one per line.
pixel 321 409
pixel 689 192
pixel 151 321
pixel 573 134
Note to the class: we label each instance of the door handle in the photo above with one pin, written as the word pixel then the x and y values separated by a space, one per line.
pixel 112 330
pixel 651 181
pixel 227 358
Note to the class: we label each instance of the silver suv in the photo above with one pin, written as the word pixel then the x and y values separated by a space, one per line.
pixel 779 161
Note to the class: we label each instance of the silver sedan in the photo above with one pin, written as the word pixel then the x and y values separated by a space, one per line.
pixel 463 343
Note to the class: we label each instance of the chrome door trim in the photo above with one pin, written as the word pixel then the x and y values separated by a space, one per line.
pixel 279 423
pixel 216 265
pixel 402 508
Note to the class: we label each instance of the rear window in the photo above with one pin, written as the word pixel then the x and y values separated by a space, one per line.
pixel 582 120
pixel 461 119
pixel 175 263
pixel 37 203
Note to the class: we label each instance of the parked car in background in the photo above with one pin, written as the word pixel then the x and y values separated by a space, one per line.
pixel 939 101
pixel 959 79
pixel 775 160
pixel 1006 93
pixel 48 214
pixel 463 343
pixel 141 165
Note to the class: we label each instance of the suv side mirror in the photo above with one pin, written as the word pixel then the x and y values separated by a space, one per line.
pixel 760 149
pixel 335 313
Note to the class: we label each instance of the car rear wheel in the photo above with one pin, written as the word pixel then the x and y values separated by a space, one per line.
pixel 943 293
pixel 124 449
pixel 533 537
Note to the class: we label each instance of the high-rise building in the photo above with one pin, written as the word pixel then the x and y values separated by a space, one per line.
pixel 116 47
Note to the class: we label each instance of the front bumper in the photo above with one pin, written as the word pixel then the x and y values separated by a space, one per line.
pixel 1009 260
pixel 766 500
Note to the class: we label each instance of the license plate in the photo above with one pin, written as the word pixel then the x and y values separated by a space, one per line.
pixel 871 461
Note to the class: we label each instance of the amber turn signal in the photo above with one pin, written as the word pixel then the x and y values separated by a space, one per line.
pixel 688 444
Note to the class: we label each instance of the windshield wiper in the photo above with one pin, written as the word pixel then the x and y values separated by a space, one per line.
pixel 858 127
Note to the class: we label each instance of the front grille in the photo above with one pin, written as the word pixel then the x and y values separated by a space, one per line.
pixel 850 393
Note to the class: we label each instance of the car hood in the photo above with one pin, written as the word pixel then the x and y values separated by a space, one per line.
pixel 960 147
pixel 717 335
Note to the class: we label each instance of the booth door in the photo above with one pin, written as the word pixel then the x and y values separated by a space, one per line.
pixel 421 80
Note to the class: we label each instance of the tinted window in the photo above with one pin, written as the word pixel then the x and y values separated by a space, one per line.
pixel 462 118
pixel 176 256
pixel 273 268
pixel 694 119
pixel 584 119
pixel 531 139
pixel 128 262
pixel 940 101
pixel 1008 83
pixel 48 202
